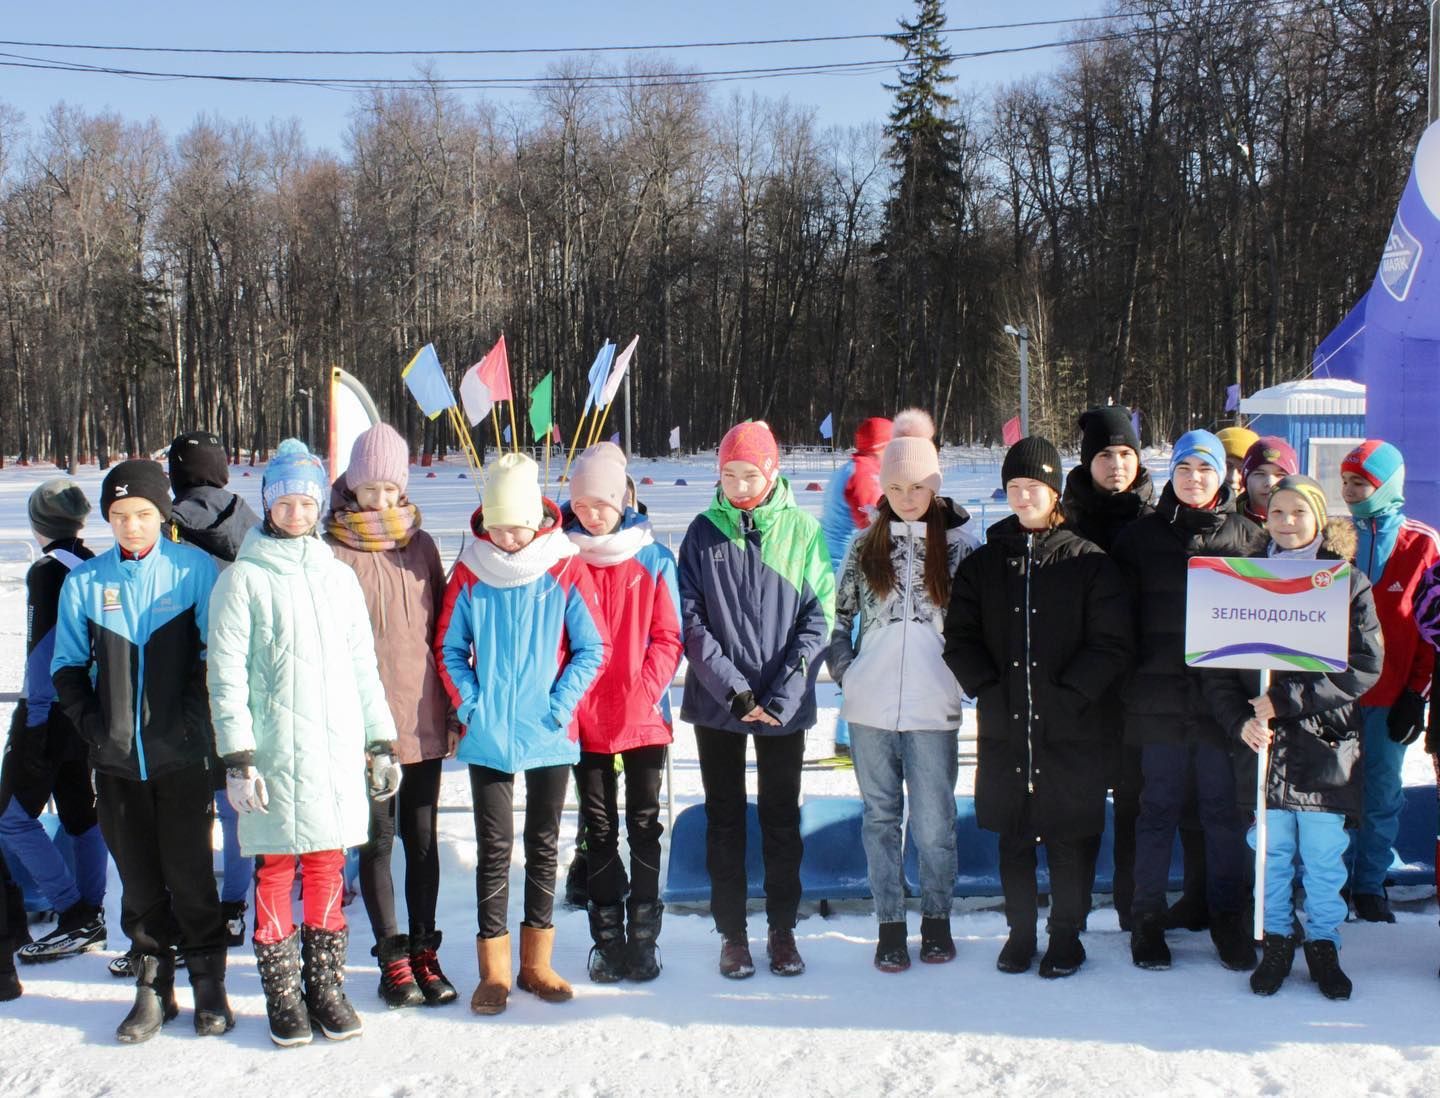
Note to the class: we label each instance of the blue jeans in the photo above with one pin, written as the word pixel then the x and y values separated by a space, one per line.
pixel 238 869
pixel 1321 841
pixel 928 764
pixel 1382 758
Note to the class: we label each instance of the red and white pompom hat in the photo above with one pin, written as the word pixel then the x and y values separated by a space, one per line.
pixel 910 456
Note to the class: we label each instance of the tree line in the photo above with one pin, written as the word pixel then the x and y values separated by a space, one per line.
pixel 1190 199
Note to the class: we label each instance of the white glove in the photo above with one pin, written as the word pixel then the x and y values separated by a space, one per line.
pixel 384 776
pixel 245 790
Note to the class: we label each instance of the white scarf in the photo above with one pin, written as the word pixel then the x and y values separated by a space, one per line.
pixel 607 550
pixel 496 568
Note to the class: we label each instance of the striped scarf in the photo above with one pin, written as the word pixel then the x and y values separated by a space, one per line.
pixel 374 531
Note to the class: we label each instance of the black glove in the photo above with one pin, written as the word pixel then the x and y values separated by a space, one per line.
pixel 1406 718
pixel 741 704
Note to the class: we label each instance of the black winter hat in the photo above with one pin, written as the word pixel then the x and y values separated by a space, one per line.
pixel 198 459
pixel 137 477
pixel 1034 458
pixel 58 509
pixel 1105 427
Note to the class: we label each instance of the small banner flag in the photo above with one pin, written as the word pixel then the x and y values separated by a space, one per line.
pixel 542 416
pixel 1010 433
pixel 675 438
pixel 617 373
pixel 425 379
pixel 615 439
pixel 1232 398
pixel 827 426
pixel 505 434
pixel 486 383
pixel 599 371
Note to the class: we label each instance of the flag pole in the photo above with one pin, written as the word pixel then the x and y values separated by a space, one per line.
pixel 548 432
pixel 495 421
pixel 601 426
pixel 514 431
pixel 574 442
pixel 467 447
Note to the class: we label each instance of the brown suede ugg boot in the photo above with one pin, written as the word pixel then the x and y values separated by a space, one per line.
pixel 494 988
pixel 536 975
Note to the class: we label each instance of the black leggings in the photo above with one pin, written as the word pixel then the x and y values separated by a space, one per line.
pixel 492 793
pixel 596 779
pixel 417 805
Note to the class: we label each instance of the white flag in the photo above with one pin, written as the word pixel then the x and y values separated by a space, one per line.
pixel 475 395
pixel 617 374
pixel 675 438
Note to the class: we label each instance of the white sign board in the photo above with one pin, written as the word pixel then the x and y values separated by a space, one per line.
pixel 1268 613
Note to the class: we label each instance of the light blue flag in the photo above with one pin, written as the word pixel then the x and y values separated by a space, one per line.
pixel 505 434
pixel 599 371
pixel 827 426
pixel 425 379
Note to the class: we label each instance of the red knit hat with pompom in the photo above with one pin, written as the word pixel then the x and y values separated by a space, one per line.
pixel 910 457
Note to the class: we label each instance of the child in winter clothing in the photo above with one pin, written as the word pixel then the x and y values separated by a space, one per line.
pixel 757 598
pixel 1237 442
pixel 138 617
pixel 520 641
pixel 211 517
pixel 1038 628
pixel 1184 752
pixel 904 706
pixel 297 704
pixel 626 712
pixel 1395 552
pixel 1268 459
pixel 1313 785
pixel 375 529
pixel 46 756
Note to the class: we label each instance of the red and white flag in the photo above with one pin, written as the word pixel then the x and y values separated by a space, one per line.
pixel 486 383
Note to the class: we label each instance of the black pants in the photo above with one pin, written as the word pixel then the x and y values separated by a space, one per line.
pixel 778 761
pixel 492 793
pixel 1126 798
pixel 32 783
pixel 415 811
pixel 159 833
pixel 596 779
pixel 1018 860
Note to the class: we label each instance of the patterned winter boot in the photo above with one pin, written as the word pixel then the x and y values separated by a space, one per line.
pixel 322 954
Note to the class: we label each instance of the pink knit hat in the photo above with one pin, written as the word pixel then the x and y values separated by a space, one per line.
pixel 600 474
pixel 752 441
pixel 910 456
pixel 379 456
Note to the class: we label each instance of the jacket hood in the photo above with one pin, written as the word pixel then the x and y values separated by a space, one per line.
pixel 284 555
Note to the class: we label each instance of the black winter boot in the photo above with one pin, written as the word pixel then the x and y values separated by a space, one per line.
pixel 154 999
pixel 279 965
pixel 425 963
pixel 10 987
pixel 1373 909
pixel 1231 935
pixel 642 945
pixel 1323 961
pixel 936 944
pixel 891 952
pixel 607 955
pixel 398 986
pixel 1018 953
pixel 1147 942
pixel 213 1016
pixel 1064 955
pixel 1275 962
pixel 322 954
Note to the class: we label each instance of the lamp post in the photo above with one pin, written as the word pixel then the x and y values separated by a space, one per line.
pixel 309 398
pixel 1022 333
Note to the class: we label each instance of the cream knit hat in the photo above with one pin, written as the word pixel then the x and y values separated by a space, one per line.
pixel 512 493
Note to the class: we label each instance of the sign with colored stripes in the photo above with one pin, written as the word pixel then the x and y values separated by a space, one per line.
pixel 1268 613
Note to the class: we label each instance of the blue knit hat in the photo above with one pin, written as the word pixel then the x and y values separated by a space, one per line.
pixel 1202 444
pixel 1383 466
pixel 294 471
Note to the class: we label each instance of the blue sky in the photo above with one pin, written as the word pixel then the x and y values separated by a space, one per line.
pixel 441 24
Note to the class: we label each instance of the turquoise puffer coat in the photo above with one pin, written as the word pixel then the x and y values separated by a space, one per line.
pixel 293 681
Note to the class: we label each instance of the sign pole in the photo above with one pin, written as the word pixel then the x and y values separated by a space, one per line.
pixel 1262 775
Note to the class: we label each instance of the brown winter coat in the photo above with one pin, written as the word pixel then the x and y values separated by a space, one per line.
pixel 404 589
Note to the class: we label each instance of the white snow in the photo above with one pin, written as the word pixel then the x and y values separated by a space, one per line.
pixel 842 1028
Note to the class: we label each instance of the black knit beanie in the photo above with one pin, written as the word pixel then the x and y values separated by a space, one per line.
pixel 138 477
pixel 1034 458
pixel 58 509
pixel 196 459
pixel 1103 428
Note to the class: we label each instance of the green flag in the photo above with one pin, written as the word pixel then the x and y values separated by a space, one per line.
pixel 541 417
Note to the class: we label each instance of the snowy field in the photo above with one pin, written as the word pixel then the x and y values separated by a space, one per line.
pixel 843 1028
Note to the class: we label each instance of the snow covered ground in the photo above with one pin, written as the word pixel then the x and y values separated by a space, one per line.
pixel 842 1028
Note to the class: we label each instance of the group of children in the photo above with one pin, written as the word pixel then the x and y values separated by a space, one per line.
pixel 317 665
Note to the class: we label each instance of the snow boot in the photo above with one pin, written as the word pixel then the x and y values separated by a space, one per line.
pixel 279 966
pixel 81 929
pixel 607 955
pixel 1373 909
pixel 936 944
pixel 577 881
pixel 425 963
pixel 1017 953
pixel 1323 961
pixel 785 959
pixel 735 960
pixel 1147 942
pixel 1064 955
pixel 233 912
pixel 891 952
pixel 154 999
pixel 536 976
pixel 494 957
pixel 1275 962
pixel 213 1016
pixel 1231 935
pixel 10 987
pixel 642 948
pixel 322 966
pixel 398 986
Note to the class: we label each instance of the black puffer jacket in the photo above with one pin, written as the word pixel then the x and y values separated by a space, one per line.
pixel 1100 516
pixel 1038 629
pixel 1162 697
pixel 1315 755
pixel 213 519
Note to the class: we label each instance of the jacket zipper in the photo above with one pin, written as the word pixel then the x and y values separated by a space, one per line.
pixel 140 670
pixel 905 624
pixel 1029 693
pixel 324 697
